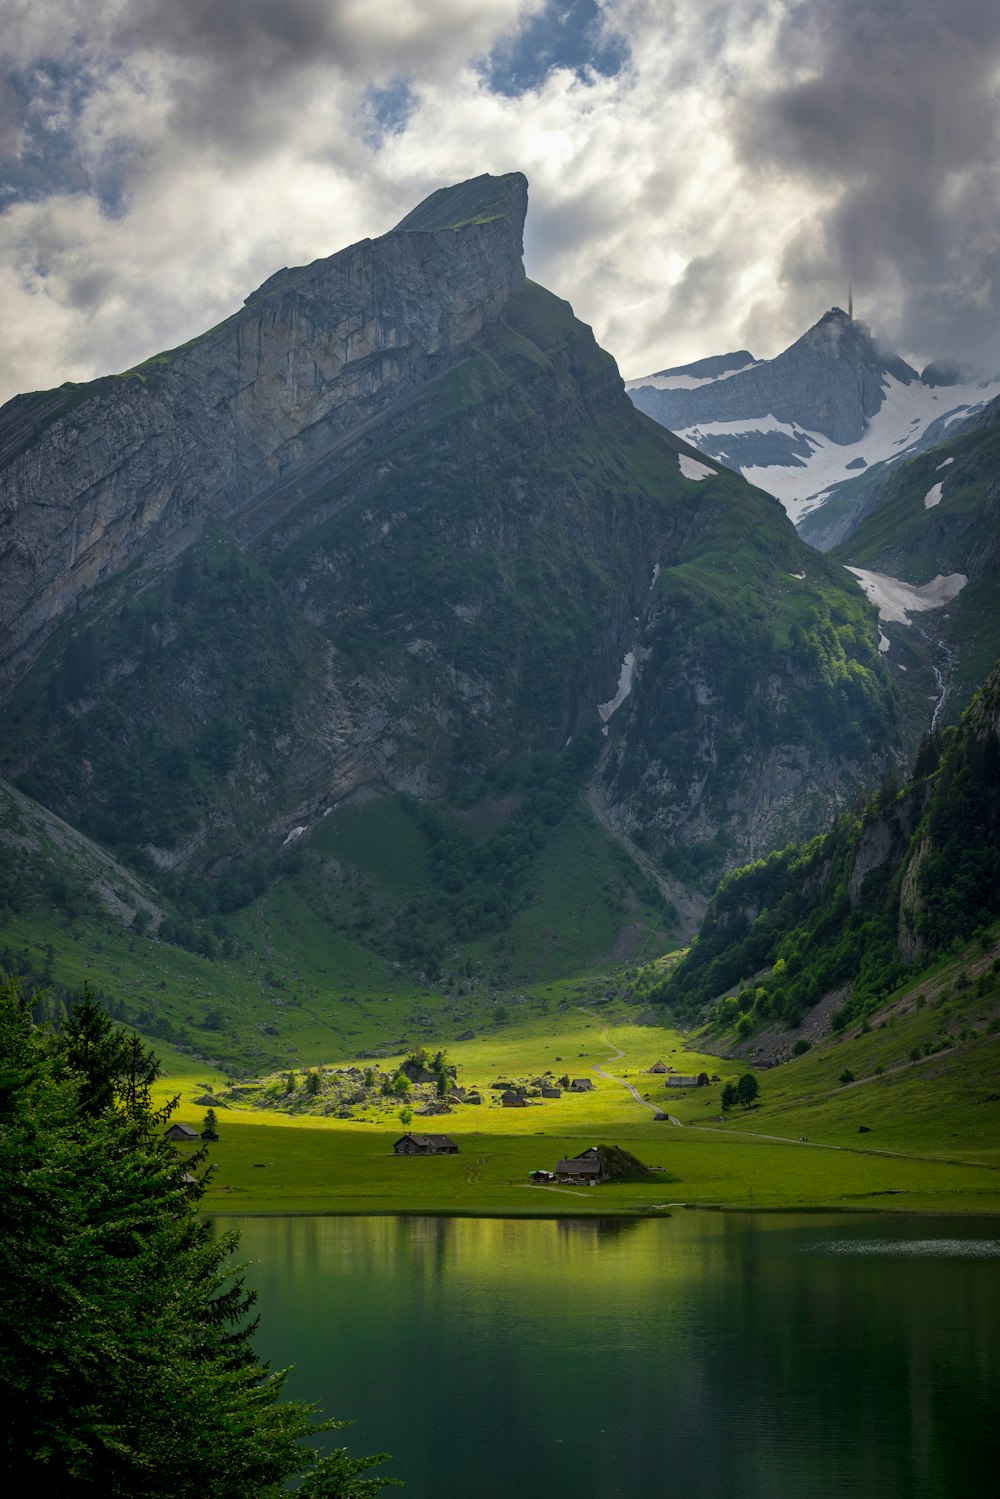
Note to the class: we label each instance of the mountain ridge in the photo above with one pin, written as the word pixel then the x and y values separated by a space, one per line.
pixel 286 383
pixel 833 403
pixel 449 541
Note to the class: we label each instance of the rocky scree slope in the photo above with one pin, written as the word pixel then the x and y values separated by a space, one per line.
pixel 391 523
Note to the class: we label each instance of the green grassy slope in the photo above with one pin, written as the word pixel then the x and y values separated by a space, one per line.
pixel 311 965
pixel 959 533
pixel 848 913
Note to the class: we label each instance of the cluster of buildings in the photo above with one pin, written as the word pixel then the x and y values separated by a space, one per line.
pixel 516 1096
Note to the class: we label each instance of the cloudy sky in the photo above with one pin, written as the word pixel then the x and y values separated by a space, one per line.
pixel 704 174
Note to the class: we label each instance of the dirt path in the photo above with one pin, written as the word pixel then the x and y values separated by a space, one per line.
pixel 542 1187
pixel 747 1134
pixel 618 1054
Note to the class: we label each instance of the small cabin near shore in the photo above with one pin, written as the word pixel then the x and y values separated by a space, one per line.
pixel 603 1163
pixel 411 1144
pixel 587 1168
pixel 182 1134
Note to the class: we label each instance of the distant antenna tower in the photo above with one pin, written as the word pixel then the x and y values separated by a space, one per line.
pixel 850 301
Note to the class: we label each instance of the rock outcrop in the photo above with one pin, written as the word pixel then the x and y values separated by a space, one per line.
pixel 238 424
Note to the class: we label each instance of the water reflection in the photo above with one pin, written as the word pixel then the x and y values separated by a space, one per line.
pixel 700 1355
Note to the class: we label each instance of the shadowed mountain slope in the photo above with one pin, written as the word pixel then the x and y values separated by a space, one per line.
pixel 389 526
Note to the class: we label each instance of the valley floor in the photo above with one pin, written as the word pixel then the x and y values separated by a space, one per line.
pixel 812 1143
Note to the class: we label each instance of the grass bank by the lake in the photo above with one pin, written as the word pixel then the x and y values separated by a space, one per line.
pixel 946 1161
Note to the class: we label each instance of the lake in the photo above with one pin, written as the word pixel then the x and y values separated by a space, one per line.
pixel 704 1355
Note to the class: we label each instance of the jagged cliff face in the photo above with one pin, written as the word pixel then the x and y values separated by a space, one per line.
pixel 936 516
pixel 753 714
pixel 239 424
pixel 391 523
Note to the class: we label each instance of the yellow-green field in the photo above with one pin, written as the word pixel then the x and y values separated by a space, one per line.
pixel 268 1161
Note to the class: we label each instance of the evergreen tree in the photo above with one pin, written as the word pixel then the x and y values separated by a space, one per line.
pixel 125 1335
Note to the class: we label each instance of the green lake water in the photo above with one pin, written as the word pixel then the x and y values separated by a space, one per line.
pixel 706 1355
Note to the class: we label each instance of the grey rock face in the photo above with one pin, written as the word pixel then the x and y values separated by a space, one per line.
pixel 234 424
pixel 391 523
pixel 829 381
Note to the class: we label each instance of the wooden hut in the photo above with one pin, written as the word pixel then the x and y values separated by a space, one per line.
pixel 411 1144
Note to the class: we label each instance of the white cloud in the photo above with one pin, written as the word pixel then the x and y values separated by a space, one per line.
pixel 227 139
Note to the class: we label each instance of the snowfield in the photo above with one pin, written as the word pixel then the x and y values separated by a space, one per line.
pixel 688 382
pixel 692 469
pixel 896 600
pixel 893 433
pixel 933 496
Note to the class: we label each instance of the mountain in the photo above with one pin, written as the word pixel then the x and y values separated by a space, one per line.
pixel 931 534
pixel 808 425
pixel 360 590
pixel 841 922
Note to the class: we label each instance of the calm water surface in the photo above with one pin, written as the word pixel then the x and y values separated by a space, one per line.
pixel 707 1355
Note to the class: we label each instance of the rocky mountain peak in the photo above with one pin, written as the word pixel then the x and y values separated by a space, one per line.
pixel 761 416
pixel 481 200
pixel 844 346
pixel 237 424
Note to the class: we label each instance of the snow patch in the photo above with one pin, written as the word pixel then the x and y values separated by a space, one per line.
pixel 624 688
pixel 944 465
pixel 759 424
pixel 295 833
pixel 687 382
pixel 933 497
pixel 883 642
pixel 692 469
pixel 796 575
pixel 894 430
pixel 896 600
pixel 656 574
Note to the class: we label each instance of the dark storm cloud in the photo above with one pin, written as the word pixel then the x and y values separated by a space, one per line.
pixel 231 67
pixel 895 109
pixel 234 33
